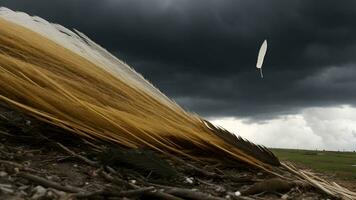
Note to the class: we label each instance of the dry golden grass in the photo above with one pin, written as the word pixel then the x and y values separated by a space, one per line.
pixel 58 86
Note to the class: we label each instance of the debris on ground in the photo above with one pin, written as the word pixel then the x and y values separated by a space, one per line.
pixel 40 162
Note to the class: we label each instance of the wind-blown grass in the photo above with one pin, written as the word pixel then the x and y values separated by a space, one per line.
pixel 56 85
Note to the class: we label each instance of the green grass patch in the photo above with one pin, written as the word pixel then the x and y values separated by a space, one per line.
pixel 331 162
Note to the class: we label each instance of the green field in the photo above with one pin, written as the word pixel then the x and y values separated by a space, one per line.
pixel 333 163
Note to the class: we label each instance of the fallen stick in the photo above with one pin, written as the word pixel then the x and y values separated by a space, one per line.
pixel 19 166
pixel 86 160
pixel 243 198
pixel 108 192
pixel 6 188
pixel 117 180
pixel 135 192
pixel 211 174
pixel 271 185
pixel 162 195
pixel 156 194
pixel 48 183
pixel 187 193
pixel 191 194
pixel 14 164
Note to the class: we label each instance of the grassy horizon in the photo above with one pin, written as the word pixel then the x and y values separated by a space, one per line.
pixel 334 163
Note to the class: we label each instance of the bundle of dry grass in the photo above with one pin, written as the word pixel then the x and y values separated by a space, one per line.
pixel 72 83
pixel 67 80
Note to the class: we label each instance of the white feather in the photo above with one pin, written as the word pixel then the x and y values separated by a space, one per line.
pixel 261 54
pixel 82 45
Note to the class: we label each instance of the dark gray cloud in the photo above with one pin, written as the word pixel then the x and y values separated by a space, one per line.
pixel 202 53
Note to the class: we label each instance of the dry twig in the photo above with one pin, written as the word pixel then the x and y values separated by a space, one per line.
pixel 48 183
pixel 108 192
pixel 19 166
pixel 155 194
pixel 86 160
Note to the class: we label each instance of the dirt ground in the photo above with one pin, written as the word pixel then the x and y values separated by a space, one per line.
pixel 42 162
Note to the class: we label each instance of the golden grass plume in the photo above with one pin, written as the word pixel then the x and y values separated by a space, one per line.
pixel 58 83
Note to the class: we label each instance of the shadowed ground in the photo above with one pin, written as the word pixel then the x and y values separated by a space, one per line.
pixel 63 166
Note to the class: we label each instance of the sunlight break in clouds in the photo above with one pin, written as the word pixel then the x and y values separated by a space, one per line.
pixel 332 128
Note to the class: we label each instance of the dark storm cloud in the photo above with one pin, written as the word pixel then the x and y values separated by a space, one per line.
pixel 202 53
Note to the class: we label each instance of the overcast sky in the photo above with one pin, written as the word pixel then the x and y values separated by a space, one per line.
pixel 203 53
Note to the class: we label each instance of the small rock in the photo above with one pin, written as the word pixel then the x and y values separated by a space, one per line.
pixel 259 174
pixel 285 196
pixel 57 193
pixel 3 174
pixel 133 181
pixel 220 189
pixel 53 178
pixel 237 193
pixel 39 192
pixel 16 170
pixel 50 195
pixel 189 180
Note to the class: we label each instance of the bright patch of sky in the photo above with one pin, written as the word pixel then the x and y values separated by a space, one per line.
pixel 331 128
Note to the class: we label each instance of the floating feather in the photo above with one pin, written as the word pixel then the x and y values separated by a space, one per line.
pixel 261 56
